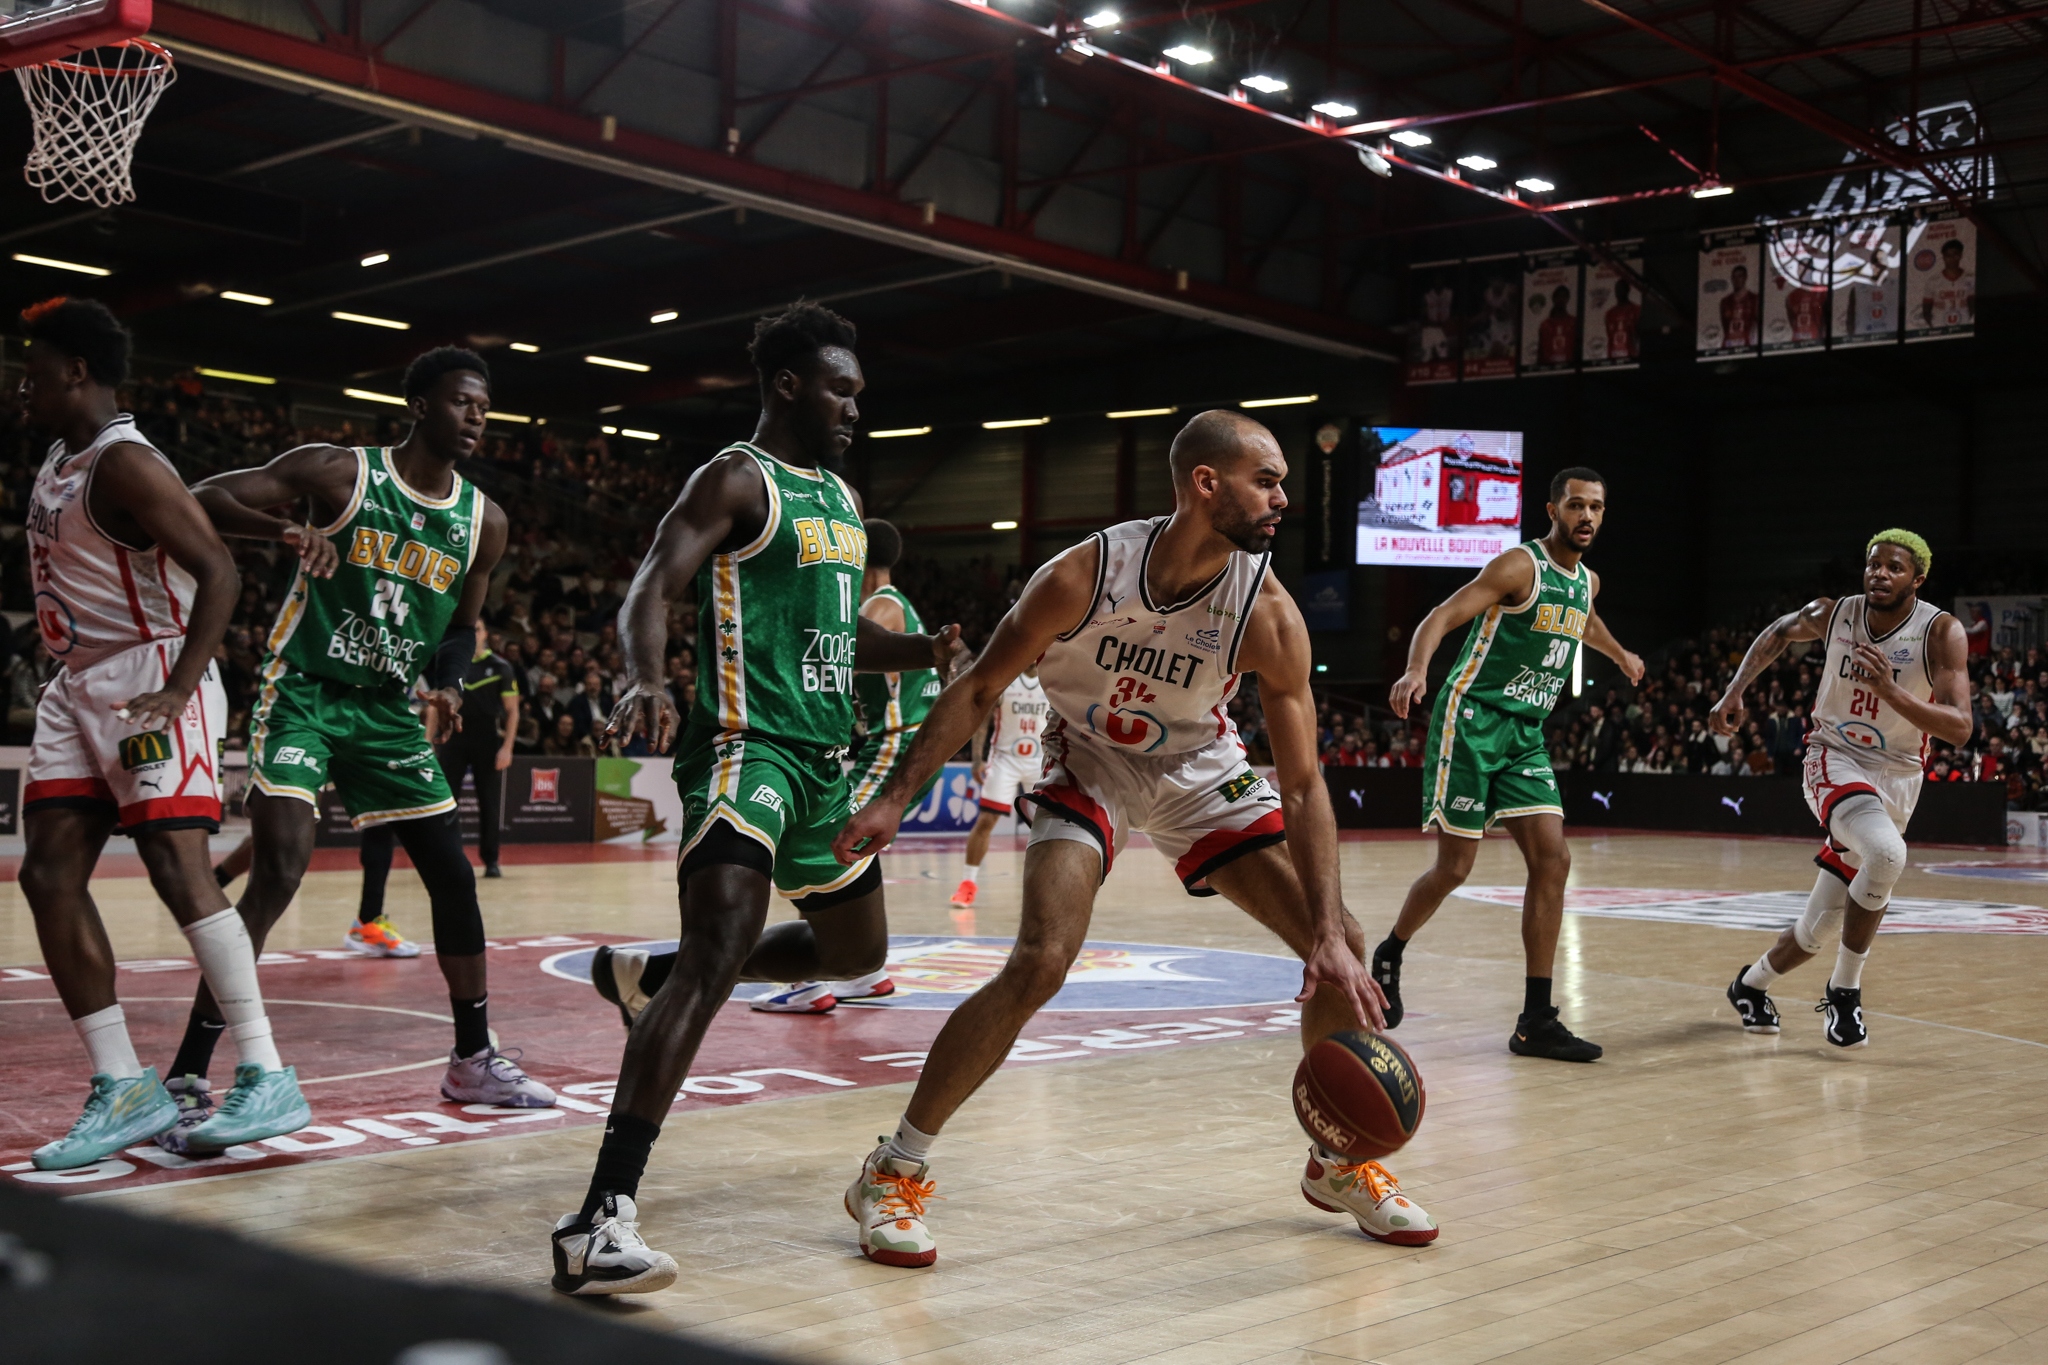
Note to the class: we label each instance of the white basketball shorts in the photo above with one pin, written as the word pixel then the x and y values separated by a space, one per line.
pixel 85 755
pixel 1004 777
pixel 1832 774
pixel 1202 809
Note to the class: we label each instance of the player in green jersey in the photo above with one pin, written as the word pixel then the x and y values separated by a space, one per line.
pixel 396 597
pixel 1487 760
pixel 773 540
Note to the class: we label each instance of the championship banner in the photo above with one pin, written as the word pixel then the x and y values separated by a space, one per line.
pixel 1614 309
pixel 1795 294
pixel 1493 291
pixel 1432 323
pixel 1550 311
pixel 1864 307
pixel 1941 279
pixel 1729 306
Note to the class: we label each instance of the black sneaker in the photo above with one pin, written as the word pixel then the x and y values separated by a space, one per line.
pixel 1843 1010
pixel 1759 1015
pixel 491 870
pixel 615 973
pixel 1544 1035
pixel 1387 972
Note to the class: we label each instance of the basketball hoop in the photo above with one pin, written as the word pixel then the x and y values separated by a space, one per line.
pixel 87 111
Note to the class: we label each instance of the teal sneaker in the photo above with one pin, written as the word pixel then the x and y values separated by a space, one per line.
pixel 263 1104
pixel 117 1113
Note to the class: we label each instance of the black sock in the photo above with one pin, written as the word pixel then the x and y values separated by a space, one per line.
pixel 621 1160
pixel 195 1050
pixel 472 1025
pixel 1535 995
pixel 1390 947
pixel 659 965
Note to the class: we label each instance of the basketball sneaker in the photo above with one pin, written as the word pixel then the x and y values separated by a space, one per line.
pixel 1386 971
pixel 262 1104
pixel 616 973
pixel 117 1113
pixel 493 1077
pixel 963 894
pixel 379 938
pixel 1843 1012
pixel 1369 1193
pixel 805 997
pixel 1544 1035
pixel 1759 1014
pixel 194 1097
pixel 607 1255
pixel 873 986
pixel 887 1200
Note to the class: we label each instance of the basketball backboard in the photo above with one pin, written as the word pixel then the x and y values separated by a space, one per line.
pixel 33 31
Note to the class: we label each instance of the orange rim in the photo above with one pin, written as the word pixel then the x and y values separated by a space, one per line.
pixel 162 54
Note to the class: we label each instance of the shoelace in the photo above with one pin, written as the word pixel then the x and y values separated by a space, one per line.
pixel 238 1098
pixel 504 1066
pixel 906 1194
pixel 96 1104
pixel 1378 1180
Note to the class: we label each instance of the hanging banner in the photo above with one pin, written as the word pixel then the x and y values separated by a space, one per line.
pixel 1614 309
pixel 1550 311
pixel 1863 309
pixel 1941 279
pixel 1493 288
pixel 1729 306
pixel 1432 323
pixel 1795 293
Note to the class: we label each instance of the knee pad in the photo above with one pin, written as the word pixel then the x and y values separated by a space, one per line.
pixel 1824 908
pixel 434 844
pixel 1861 823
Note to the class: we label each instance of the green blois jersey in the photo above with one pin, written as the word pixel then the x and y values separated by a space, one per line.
pixel 1518 660
pixel 403 557
pixel 776 618
pixel 896 701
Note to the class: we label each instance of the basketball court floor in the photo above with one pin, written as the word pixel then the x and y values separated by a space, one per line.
pixel 1125 1188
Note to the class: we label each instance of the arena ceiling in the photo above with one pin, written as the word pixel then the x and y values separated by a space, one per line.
pixel 994 189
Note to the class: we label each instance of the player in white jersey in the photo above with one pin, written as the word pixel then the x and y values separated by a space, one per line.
pixel 1141 632
pixel 1896 672
pixel 1007 762
pixel 133 591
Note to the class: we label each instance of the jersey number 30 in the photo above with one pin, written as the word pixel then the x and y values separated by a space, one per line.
pixel 1559 653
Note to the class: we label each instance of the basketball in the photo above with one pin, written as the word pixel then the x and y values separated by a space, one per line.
pixel 1358 1093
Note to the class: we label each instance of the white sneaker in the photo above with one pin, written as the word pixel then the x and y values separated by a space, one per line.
pixel 806 997
pixel 609 1257
pixel 887 1200
pixel 873 986
pixel 1369 1193
pixel 494 1077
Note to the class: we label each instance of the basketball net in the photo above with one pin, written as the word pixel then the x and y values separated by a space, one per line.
pixel 87 111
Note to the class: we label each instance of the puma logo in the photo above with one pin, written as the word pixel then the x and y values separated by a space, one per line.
pixel 1606 800
pixel 1734 803
pixel 1112 599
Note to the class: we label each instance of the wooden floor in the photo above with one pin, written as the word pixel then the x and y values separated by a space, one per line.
pixel 1699 1195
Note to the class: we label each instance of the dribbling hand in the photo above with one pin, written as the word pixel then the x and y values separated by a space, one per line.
pixel 871 830
pixel 1408 689
pixel 644 709
pixel 1332 964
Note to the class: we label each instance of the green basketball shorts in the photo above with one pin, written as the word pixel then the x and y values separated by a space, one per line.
pixel 1484 765
pixel 876 758
pixel 790 798
pixel 308 731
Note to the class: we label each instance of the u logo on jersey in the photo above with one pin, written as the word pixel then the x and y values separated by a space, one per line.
pixel 1140 730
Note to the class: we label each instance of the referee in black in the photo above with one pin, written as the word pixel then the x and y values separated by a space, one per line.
pixel 483 746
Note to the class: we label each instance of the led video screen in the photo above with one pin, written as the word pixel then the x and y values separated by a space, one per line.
pixel 1440 497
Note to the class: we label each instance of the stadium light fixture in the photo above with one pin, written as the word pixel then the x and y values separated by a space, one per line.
pixel 611 408
pixel 508 417
pixel 1280 402
pixel 1335 109
pixel 665 315
pixel 55 264
pixel 1265 85
pixel 1009 422
pixel 1189 56
pixel 237 296
pixel 899 431
pixel 1103 18
pixel 525 347
pixel 393 324
pixel 1409 138
pixel 1535 184
pixel 640 435
pixel 375 258
pixel 609 431
pixel 371 396
pixel 1712 189
pixel 1141 412
pixel 1002 526
pixel 635 366
pixel 1476 162
pixel 236 374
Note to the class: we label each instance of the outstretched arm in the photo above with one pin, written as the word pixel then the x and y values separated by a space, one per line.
pixel 324 475
pixel 880 649
pixel 1510 577
pixel 1946 714
pixel 1807 623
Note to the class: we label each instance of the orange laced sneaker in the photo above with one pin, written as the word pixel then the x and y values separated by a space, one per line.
pixel 1369 1193
pixel 887 1200
pixel 379 938
pixel 963 894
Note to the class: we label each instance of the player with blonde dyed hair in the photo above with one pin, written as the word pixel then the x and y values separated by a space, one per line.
pixel 1895 673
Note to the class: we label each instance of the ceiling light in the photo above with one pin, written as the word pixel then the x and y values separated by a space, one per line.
pixel 615 407
pixel 1265 85
pixel 899 431
pixel 1535 185
pixel 640 435
pixel 74 266
pixel 609 431
pixel 1711 190
pixel 1142 412
pixel 1410 139
pixel 1015 422
pixel 1334 109
pixel 234 374
pixel 1193 56
pixel 508 417
pixel 369 321
pixel 525 347
pixel 1374 159
pixel 1002 526
pixel 635 366
pixel 237 296
pixel 665 315
pixel 1103 18
pixel 375 258
pixel 371 397
pixel 1278 402
pixel 1476 162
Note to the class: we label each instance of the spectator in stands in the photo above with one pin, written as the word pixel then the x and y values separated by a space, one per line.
pixel 1602 744
pixel 591 705
pixel 564 742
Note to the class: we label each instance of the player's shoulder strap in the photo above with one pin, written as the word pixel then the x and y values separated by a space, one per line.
pixel 764 464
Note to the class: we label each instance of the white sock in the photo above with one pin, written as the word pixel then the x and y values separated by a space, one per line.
pixel 1849 969
pixel 1760 974
pixel 910 1144
pixel 228 961
pixel 972 876
pixel 105 1035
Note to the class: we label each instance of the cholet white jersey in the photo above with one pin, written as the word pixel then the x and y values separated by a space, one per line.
pixel 95 596
pixel 1848 715
pixel 1151 678
pixel 1020 719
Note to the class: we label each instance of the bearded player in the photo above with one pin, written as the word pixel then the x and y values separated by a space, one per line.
pixel 1896 672
pixel 1007 763
pixel 414 545
pixel 1487 762
pixel 133 591
pixel 1140 633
